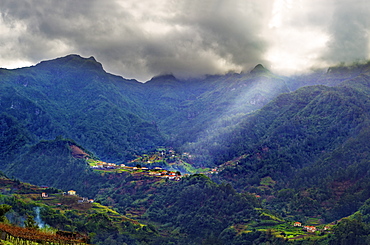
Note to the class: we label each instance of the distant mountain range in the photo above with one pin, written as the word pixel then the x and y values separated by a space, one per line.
pixel 115 117
pixel 299 143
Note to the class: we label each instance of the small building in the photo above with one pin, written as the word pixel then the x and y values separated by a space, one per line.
pixel 71 192
pixel 310 228
pixel 44 195
pixel 83 200
pixel 299 224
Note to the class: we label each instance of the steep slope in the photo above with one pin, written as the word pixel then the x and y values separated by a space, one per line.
pixel 64 219
pixel 116 118
pixel 332 76
pixel 51 163
pixel 13 138
pixel 337 183
pixel 193 112
pixel 74 97
pixel 233 99
pixel 180 208
pixel 303 141
pixel 305 154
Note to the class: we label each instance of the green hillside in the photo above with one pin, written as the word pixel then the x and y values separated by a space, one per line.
pixel 52 210
pixel 75 98
pixel 226 159
pixel 312 144
pixel 51 163
pixel 194 112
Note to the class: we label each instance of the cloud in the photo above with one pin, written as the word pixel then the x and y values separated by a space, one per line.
pixel 349 29
pixel 140 39
pixel 314 33
pixel 298 32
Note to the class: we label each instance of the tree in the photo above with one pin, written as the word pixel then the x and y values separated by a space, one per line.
pixel 4 208
pixel 30 222
pixel 351 232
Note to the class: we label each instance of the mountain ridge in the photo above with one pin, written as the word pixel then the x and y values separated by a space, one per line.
pixel 73 60
pixel 299 150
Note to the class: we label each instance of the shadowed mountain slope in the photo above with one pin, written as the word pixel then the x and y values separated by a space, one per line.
pixel 116 118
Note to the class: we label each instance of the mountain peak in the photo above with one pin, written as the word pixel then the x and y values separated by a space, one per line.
pixel 74 60
pixel 165 78
pixel 258 69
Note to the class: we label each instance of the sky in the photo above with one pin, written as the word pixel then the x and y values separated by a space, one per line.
pixel 188 38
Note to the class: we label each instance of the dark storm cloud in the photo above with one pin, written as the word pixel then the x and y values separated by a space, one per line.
pixel 140 39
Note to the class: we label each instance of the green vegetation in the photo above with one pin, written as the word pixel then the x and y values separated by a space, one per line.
pixel 313 141
pixel 272 156
pixel 168 159
pixel 68 214
pixel 72 97
pixel 51 163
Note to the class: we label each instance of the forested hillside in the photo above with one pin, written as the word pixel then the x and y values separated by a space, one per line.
pixel 74 97
pixel 51 163
pixel 275 149
pixel 197 110
pixel 312 145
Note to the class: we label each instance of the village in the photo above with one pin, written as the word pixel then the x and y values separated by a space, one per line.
pixel 69 194
pixel 159 156
pixel 310 228
pixel 137 170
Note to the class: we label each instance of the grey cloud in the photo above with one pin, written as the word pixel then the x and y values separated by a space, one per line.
pixel 140 39
pixel 233 28
pixel 207 30
pixel 349 32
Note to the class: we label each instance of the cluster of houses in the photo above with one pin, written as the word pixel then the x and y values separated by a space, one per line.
pixel 70 193
pixel 162 173
pixel 160 155
pixel 105 165
pixel 214 171
pixel 83 200
pixel 309 228
pixel 155 172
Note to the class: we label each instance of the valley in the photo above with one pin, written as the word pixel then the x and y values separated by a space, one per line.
pixel 238 158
